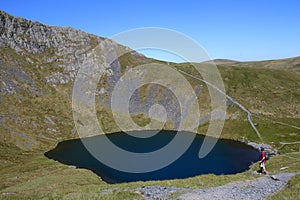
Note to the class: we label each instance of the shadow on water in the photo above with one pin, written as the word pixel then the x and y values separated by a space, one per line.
pixel 227 157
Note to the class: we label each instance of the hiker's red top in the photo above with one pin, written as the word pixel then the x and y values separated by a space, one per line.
pixel 263 154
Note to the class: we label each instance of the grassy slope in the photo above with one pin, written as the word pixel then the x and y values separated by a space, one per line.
pixel 289 64
pixel 28 174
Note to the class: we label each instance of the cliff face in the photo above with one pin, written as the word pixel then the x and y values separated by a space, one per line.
pixel 66 48
pixel 33 37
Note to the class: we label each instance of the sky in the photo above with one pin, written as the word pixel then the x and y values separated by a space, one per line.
pixel 229 29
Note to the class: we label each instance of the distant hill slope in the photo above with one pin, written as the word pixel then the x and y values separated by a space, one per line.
pixel 290 64
pixel 221 61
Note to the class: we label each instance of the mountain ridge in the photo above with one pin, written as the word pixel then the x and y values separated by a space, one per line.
pixel 292 64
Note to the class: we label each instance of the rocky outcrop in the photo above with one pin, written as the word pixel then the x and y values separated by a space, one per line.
pixel 65 47
pixel 33 37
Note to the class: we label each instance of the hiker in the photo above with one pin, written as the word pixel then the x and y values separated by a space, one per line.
pixel 262 161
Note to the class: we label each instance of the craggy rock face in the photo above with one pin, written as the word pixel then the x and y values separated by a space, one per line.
pixel 67 48
pixel 34 37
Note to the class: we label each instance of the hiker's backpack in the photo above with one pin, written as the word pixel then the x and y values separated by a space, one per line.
pixel 267 156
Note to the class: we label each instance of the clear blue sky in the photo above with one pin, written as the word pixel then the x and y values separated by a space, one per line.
pixel 239 30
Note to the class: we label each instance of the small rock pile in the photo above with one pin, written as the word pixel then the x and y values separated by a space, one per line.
pixel 158 192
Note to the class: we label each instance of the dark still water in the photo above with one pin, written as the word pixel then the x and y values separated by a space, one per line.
pixel 227 157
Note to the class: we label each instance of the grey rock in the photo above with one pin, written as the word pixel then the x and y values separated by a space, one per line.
pixel 158 192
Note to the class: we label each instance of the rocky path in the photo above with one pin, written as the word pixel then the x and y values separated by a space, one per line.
pixel 257 189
